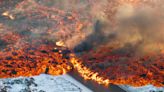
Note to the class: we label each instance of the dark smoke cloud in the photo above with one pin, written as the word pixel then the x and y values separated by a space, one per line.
pixel 96 38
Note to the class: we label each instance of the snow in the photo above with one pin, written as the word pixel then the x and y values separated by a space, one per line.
pixel 147 88
pixel 63 83
pixel 42 83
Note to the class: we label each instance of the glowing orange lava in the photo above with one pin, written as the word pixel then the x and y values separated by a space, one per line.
pixel 27 49
pixel 106 68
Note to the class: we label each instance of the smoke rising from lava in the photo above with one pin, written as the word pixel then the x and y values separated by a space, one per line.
pixel 135 25
pixel 114 32
pixel 137 29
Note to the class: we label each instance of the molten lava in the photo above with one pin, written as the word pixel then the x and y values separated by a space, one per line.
pixel 36 37
pixel 105 68
pixel 31 59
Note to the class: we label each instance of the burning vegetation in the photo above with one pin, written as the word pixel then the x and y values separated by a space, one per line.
pixel 113 45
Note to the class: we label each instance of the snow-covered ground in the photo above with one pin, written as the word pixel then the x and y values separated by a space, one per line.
pixel 63 83
pixel 148 88
pixel 42 83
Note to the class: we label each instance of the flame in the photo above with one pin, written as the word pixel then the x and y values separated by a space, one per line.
pixel 20 63
pixel 90 74
pixel 16 60
pixel 21 58
pixel 118 71
pixel 87 74
pixel 47 58
pixel 7 14
pixel 60 43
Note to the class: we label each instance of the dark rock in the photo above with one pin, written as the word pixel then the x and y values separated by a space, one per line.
pixel 14 72
pixel 161 67
pixel 14 53
pixel 93 58
pixel 4 71
pixel 31 53
pixel 55 62
pixel 143 75
pixel 55 50
pixel 66 52
pixel 21 57
pixel 66 57
pixel 17 81
pixel 101 66
pixel 46 71
pixel 41 91
pixel 43 51
pixel 9 65
pixel 8 58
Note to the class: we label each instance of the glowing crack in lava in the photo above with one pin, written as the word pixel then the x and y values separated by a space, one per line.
pixel 35 38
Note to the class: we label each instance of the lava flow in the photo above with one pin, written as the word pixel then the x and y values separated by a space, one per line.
pixel 32 58
pixel 119 48
pixel 105 68
pixel 28 34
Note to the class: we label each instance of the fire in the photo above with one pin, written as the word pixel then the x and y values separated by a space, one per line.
pixel 120 69
pixel 20 58
pixel 87 74
pixel 7 14
pixel 101 76
pixel 21 55
pixel 60 43
pixel 36 61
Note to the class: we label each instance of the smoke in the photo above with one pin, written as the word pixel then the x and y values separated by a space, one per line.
pixel 53 20
pixel 135 28
pixel 141 27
